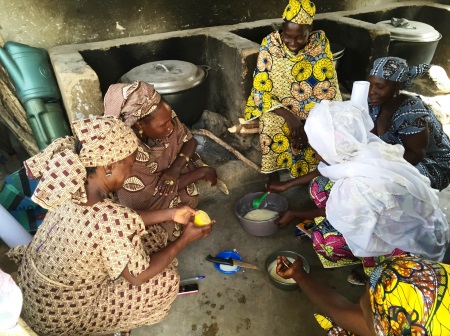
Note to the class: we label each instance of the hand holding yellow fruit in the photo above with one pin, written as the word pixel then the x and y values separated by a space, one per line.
pixel 201 218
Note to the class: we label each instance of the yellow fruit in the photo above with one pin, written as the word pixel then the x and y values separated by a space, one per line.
pixel 201 218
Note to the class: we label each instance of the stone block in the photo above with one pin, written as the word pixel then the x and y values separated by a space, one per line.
pixel 78 83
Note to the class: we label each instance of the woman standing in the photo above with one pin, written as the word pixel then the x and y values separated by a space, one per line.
pixel 406 120
pixel 167 166
pixel 94 266
pixel 294 71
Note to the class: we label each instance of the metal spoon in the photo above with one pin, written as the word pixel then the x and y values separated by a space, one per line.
pixel 257 201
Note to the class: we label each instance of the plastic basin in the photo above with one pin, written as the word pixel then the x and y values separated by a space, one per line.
pixel 274 202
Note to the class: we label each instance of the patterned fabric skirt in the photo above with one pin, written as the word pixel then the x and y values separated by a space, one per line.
pixel 330 244
pixel 53 309
pixel 277 151
pixel 439 176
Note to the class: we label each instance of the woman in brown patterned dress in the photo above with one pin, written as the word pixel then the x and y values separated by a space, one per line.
pixel 96 267
pixel 166 165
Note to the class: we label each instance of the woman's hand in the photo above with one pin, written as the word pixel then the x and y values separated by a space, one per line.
pixel 182 214
pixel 287 270
pixel 296 127
pixel 168 181
pixel 285 218
pixel 192 233
pixel 277 186
pixel 209 174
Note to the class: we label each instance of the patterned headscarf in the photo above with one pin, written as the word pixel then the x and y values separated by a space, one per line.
pixel 396 69
pixel 62 171
pixel 299 12
pixel 410 295
pixel 131 102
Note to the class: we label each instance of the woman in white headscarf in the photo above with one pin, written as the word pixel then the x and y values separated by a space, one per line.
pixel 376 200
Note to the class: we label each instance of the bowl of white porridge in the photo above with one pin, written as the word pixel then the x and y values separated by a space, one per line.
pixel 260 222
pixel 271 266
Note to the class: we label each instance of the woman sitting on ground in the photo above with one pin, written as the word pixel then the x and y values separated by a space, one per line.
pixel 166 164
pixel 406 295
pixel 407 120
pixel 376 204
pixel 294 71
pixel 94 266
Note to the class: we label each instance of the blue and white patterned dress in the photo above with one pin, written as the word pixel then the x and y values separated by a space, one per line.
pixel 410 118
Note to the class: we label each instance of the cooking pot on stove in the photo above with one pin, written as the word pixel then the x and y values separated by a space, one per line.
pixel 414 41
pixel 182 85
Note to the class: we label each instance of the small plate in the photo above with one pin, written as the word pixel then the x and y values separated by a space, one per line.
pixel 227 254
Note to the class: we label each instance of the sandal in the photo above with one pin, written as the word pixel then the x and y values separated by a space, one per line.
pixel 357 276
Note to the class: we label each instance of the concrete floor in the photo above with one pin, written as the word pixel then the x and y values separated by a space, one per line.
pixel 244 303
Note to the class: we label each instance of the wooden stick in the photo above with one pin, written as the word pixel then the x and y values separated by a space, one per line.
pixel 227 147
pixel 26 139
pixel 14 107
pixel 242 130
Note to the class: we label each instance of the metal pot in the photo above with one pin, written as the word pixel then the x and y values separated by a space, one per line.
pixel 182 84
pixel 414 41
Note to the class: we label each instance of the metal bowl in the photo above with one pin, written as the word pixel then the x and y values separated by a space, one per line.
pixel 290 254
pixel 272 202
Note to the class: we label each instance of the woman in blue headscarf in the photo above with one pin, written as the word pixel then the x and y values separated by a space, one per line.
pixel 406 120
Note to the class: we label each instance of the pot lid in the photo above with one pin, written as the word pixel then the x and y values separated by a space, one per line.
pixel 167 76
pixel 412 31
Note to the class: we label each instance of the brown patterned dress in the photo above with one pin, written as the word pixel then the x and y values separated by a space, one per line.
pixel 139 190
pixel 70 274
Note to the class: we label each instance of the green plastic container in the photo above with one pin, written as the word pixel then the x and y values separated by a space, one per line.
pixel 35 83
pixel 30 71
pixel 46 121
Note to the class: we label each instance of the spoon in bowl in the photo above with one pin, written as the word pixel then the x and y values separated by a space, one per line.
pixel 257 201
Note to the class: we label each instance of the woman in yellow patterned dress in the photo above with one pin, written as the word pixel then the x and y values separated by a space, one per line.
pixel 405 295
pixel 96 267
pixel 294 71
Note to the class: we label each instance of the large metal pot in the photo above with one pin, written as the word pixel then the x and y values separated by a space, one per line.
pixel 182 84
pixel 414 41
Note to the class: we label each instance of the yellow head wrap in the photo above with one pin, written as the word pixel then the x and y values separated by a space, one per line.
pixel 299 12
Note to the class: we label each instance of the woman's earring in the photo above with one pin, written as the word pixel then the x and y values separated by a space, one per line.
pixel 141 132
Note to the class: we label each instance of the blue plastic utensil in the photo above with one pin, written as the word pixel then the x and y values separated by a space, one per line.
pixel 257 201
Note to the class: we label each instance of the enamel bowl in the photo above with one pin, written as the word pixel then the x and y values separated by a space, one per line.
pixel 276 280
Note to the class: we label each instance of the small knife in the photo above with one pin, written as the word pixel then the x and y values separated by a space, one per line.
pixel 231 262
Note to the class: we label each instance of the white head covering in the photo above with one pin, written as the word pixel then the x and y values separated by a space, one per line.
pixel 379 201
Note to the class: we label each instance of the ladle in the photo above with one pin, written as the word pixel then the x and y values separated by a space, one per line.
pixel 257 201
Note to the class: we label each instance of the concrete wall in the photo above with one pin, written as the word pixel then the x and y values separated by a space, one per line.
pixel 85 70
pixel 48 23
